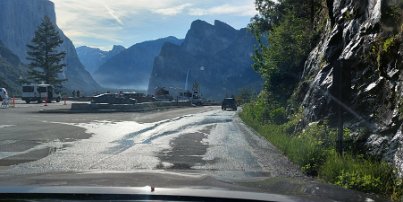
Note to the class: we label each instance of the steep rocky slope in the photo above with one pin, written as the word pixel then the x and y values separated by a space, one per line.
pixel 19 20
pixel 92 58
pixel 11 69
pixel 217 56
pixel 132 67
pixel 358 63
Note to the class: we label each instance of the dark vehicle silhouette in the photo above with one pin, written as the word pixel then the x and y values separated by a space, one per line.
pixel 139 97
pixel 113 98
pixel 162 94
pixel 229 103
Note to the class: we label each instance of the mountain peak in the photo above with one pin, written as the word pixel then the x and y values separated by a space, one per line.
pixel 207 38
pixel 223 26
pixel 117 48
pixel 87 48
pixel 223 50
pixel 200 25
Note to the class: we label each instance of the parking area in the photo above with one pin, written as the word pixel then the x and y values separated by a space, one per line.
pixel 18 103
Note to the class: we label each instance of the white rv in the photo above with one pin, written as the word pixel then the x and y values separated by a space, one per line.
pixel 40 93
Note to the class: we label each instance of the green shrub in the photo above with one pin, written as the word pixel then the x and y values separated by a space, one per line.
pixel 359 181
pixel 306 152
pixel 356 172
pixel 278 115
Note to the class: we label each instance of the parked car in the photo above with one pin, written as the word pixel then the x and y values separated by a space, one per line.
pixel 113 98
pixel 197 100
pixel 139 97
pixel 161 94
pixel 229 103
pixel 40 92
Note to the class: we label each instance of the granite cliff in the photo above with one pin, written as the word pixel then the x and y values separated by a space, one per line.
pixel 358 65
pixel 19 20
pixel 132 67
pixel 217 56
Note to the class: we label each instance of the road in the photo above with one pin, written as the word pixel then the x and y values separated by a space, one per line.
pixel 199 146
pixel 203 139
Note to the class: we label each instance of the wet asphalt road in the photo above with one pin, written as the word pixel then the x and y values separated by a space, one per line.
pixel 186 147
pixel 203 140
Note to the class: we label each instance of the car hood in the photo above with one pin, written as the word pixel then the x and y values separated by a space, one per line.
pixel 182 184
pixel 147 192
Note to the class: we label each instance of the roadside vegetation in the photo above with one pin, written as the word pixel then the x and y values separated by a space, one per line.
pixel 286 33
pixel 313 150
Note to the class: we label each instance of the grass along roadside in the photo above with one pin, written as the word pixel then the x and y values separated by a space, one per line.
pixel 313 150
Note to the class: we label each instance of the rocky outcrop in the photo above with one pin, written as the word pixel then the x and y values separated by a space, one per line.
pixel 19 20
pixel 11 69
pixel 358 65
pixel 217 56
pixel 132 67
pixel 92 58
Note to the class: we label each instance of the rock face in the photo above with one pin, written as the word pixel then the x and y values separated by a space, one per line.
pixel 132 67
pixel 11 69
pixel 217 56
pixel 19 20
pixel 92 58
pixel 362 50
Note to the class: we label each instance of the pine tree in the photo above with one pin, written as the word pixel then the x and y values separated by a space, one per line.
pixel 45 60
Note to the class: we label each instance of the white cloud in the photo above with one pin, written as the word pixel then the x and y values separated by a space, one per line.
pixel 113 15
pixel 171 11
pixel 129 21
pixel 95 35
pixel 226 9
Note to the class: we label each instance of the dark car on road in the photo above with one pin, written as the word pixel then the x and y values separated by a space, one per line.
pixel 229 103
pixel 112 98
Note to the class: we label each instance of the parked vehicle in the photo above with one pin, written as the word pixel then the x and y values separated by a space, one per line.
pixel 40 93
pixel 194 97
pixel 197 100
pixel 113 98
pixel 4 99
pixel 229 103
pixel 3 94
pixel 139 97
pixel 162 94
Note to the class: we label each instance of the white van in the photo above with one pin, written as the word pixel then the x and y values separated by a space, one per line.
pixel 40 93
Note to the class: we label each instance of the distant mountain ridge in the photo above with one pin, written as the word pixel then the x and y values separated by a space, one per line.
pixel 92 58
pixel 217 56
pixel 19 20
pixel 132 67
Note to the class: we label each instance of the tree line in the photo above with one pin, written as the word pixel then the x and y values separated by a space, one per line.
pixel 286 31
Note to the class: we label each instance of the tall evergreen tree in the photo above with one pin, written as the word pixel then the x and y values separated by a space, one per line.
pixel 46 61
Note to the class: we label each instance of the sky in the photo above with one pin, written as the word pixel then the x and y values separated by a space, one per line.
pixel 104 23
